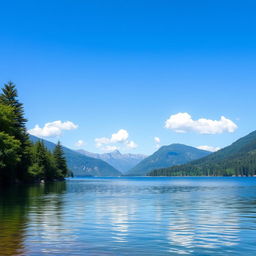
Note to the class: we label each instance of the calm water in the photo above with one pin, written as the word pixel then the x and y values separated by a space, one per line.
pixel 130 216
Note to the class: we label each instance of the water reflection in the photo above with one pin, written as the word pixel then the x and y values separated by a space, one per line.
pixel 130 217
pixel 201 223
pixel 16 205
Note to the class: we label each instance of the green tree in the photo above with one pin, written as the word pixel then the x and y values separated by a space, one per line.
pixel 9 98
pixel 60 160
pixel 9 157
pixel 7 123
pixel 43 165
pixel 9 145
pixel 20 160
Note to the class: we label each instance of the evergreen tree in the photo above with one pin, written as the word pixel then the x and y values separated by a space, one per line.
pixel 9 146
pixel 7 123
pixel 43 165
pixel 60 160
pixel 20 160
pixel 9 98
pixel 9 158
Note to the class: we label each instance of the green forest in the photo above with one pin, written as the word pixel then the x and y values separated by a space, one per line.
pixel 22 161
pixel 238 159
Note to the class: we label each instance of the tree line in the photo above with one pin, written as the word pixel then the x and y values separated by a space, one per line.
pixel 238 159
pixel 242 164
pixel 20 159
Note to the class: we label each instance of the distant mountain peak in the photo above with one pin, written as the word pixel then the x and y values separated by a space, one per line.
pixel 122 162
pixel 238 159
pixel 167 156
pixel 115 152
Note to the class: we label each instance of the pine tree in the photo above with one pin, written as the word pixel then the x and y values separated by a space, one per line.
pixel 9 146
pixel 20 160
pixel 9 158
pixel 9 98
pixel 43 165
pixel 60 160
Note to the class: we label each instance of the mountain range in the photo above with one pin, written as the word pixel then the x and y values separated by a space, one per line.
pixel 82 165
pixel 167 156
pixel 174 160
pixel 122 162
pixel 238 159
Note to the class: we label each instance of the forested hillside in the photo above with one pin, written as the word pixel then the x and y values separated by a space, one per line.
pixel 167 156
pixel 236 159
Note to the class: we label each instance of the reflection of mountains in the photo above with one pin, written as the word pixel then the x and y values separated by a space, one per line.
pixel 104 217
pixel 187 219
pixel 18 205
pixel 201 221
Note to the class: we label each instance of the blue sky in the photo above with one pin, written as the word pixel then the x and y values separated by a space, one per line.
pixel 111 65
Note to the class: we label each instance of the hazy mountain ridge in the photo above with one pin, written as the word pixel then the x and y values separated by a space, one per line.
pixel 82 165
pixel 122 162
pixel 237 159
pixel 167 156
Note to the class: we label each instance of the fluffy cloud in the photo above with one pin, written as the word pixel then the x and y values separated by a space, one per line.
pixel 116 141
pixel 52 129
pixel 131 144
pixel 183 123
pixel 118 137
pixel 121 136
pixel 157 141
pixel 101 141
pixel 209 148
pixel 79 143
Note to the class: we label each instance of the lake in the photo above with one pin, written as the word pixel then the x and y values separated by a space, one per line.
pixel 130 216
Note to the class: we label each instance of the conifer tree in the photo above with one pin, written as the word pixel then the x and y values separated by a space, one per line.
pixel 9 145
pixel 60 160
pixel 43 165
pixel 9 98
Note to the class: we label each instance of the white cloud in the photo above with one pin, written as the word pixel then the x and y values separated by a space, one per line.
pixel 102 141
pixel 79 143
pixel 52 129
pixel 209 148
pixel 121 136
pixel 183 123
pixel 157 142
pixel 116 141
pixel 131 144
pixel 118 137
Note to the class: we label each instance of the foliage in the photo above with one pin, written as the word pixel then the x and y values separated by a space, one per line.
pixel 82 165
pixel 21 160
pixel 44 164
pixel 9 157
pixel 60 160
pixel 9 97
pixel 238 159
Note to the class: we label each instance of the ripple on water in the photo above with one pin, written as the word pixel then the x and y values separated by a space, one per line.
pixel 131 216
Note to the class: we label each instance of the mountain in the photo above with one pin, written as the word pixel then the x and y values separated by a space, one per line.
pixel 167 156
pixel 82 165
pixel 122 162
pixel 237 159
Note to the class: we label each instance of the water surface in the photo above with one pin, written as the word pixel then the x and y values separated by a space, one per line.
pixel 130 216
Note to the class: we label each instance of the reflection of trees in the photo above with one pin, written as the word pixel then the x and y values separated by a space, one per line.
pixel 15 205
